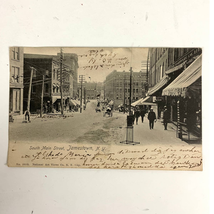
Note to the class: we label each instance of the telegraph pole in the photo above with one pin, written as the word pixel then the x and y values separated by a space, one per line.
pixel 81 79
pixel 130 93
pixel 42 94
pixel 124 95
pixel 29 90
pixel 61 81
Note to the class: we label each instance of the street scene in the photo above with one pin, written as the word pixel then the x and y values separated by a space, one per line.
pixel 109 96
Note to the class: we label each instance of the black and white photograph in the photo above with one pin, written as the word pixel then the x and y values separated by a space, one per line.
pixel 106 107
pixel 64 99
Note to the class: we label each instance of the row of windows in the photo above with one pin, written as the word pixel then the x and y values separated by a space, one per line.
pixel 126 98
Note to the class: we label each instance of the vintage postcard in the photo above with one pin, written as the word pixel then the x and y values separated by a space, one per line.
pixel 106 108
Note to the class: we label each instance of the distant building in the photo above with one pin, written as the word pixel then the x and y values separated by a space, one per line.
pixel 93 90
pixel 49 66
pixel 117 86
pixel 16 80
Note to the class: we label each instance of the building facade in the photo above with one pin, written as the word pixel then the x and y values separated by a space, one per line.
pixel 71 60
pixel 91 90
pixel 167 66
pixel 49 67
pixel 117 87
pixel 16 80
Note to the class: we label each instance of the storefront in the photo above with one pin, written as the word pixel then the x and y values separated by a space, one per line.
pixel 156 94
pixel 186 90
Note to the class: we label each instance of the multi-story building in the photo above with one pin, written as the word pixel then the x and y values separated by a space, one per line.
pixel 49 66
pixel 117 87
pixel 71 60
pixel 169 65
pixel 93 90
pixel 16 80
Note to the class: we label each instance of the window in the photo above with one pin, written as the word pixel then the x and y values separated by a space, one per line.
pixel 15 74
pixel 15 53
pixel 136 90
pixel 133 90
pixel 128 90
pixel 137 84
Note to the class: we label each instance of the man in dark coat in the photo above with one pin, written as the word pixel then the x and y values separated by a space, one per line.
pixel 165 117
pixel 137 114
pixel 142 114
pixel 151 118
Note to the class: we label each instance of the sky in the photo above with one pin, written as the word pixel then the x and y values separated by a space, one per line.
pixel 97 62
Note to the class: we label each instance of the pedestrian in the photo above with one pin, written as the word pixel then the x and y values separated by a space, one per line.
pixel 151 118
pixel 136 114
pixel 142 114
pixel 27 115
pixel 165 117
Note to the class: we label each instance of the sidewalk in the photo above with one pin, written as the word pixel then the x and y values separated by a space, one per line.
pixel 145 135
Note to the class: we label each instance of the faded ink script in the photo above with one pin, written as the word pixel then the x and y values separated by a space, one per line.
pixel 98 59
pixel 102 157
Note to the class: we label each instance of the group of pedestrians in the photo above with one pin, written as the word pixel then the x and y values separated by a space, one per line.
pixel 151 116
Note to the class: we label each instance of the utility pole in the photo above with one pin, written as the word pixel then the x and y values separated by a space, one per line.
pixel 147 73
pixel 84 97
pixel 29 90
pixel 81 79
pixel 42 94
pixel 124 95
pixel 61 81
pixel 130 93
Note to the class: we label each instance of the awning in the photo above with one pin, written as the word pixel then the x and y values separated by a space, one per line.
pixel 158 86
pixel 72 102
pixel 180 85
pixel 54 98
pixel 76 101
pixel 142 101
pixel 175 68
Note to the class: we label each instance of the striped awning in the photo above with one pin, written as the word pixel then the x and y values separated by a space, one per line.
pixel 158 86
pixel 143 101
pixel 180 85
pixel 73 103
pixel 176 68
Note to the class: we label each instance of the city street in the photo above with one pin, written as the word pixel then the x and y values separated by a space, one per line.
pixel 89 127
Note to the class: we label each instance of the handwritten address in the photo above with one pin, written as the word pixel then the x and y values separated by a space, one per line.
pixel 101 157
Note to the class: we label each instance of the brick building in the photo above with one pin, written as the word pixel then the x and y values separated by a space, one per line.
pixel 49 66
pixel 71 60
pixel 117 86
pixel 92 90
pixel 16 80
